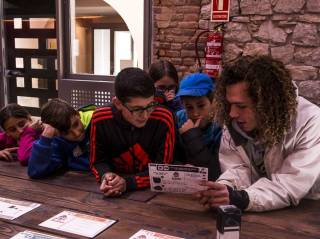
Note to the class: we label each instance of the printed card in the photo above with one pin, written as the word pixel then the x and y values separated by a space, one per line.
pixel 78 223
pixel 144 234
pixel 11 209
pixel 34 235
pixel 177 178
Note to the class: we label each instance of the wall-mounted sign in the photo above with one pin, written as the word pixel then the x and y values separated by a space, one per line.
pixel 220 10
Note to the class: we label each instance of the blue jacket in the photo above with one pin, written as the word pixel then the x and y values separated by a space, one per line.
pixel 50 154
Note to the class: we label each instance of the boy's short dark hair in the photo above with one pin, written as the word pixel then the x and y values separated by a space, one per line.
pixel 58 114
pixel 133 82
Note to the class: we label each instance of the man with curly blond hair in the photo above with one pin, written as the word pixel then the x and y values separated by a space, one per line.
pixel 270 148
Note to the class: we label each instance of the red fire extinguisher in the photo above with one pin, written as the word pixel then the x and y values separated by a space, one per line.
pixel 213 53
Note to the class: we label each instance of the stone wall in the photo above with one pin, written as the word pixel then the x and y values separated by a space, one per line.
pixel 288 30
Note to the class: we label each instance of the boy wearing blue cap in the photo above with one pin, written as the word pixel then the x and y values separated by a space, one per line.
pixel 200 136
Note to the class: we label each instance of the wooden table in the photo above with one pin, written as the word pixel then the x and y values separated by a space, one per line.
pixel 167 213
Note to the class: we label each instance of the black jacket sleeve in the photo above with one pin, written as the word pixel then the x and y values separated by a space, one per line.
pixel 99 160
pixel 198 154
pixel 239 198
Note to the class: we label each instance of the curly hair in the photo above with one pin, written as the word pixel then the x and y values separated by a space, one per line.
pixel 271 90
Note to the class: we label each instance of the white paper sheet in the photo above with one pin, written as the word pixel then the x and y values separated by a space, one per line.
pixel 144 234
pixel 11 209
pixel 78 223
pixel 34 235
pixel 176 178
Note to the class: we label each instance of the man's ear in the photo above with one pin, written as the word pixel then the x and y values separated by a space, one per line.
pixel 117 103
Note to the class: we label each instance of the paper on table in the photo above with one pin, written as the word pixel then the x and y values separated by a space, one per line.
pixel 34 235
pixel 176 178
pixel 11 209
pixel 144 234
pixel 78 223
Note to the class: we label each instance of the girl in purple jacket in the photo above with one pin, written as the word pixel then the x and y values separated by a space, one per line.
pixel 19 133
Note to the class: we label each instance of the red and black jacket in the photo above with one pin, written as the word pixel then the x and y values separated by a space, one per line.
pixel 117 146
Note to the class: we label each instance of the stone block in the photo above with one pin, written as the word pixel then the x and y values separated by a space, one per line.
pixel 176 61
pixel 171 53
pixel 189 61
pixel 188 46
pixel 177 17
pixel 313 6
pixel 283 53
pixel 176 46
pixel 289 6
pixel 310 18
pixel 205 12
pixel 269 32
pixel 307 55
pixel 163 24
pixel 310 90
pixel 165 45
pixel 231 51
pixel 205 2
pixel 204 24
pixel 188 9
pixel 252 7
pixel 188 53
pixel 237 32
pixel 234 8
pixel 303 73
pixel 241 19
pixel 305 35
pixel 188 32
pixel 191 17
pixel 256 49
pixel 188 25
pixel 180 39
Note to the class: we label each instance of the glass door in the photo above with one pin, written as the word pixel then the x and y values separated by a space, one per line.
pixel 30 43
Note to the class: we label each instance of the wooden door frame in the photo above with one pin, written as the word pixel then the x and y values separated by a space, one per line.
pixel 147 28
pixel 3 84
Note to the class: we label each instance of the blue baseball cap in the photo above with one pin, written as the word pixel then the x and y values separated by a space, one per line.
pixel 196 84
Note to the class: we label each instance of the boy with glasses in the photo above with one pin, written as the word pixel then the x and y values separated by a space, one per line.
pixel 129 134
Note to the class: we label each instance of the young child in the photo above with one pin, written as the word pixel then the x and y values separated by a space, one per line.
pixel 19 133
pixel 166 82
pixel 200 137
pixel 129 134
pixel 64 140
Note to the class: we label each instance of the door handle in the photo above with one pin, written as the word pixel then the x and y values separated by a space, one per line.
pixel 14 73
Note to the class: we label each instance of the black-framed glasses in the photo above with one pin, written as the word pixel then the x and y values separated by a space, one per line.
pixel 138 111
